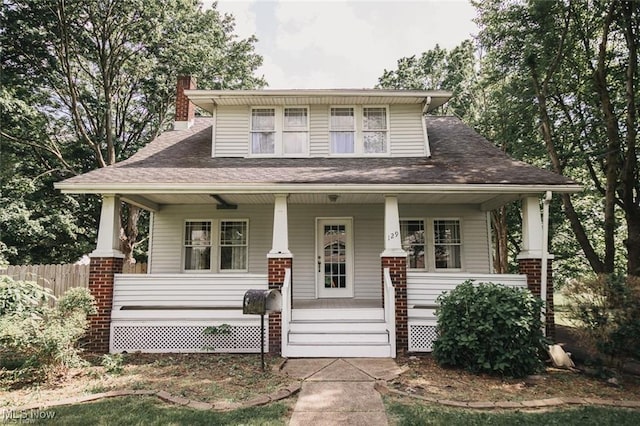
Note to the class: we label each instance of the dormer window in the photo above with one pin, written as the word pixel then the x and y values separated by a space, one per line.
pixel 263 131
pixel 359 130
pixel 279 131
pixel 374 130
pixel 343 130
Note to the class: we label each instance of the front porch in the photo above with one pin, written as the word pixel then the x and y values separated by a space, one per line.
pixel 383 304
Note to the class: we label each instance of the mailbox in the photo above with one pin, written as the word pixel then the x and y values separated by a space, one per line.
pixel 260 302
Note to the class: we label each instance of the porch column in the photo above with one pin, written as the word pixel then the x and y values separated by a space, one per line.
pixel 279 259
pixel 395 258
pixel 531 258
pixel 106 261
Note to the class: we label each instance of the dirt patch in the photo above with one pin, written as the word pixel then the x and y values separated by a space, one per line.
pixel 424 377
pixel 202 377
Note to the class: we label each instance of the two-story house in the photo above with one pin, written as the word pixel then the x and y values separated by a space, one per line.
pixel 358 205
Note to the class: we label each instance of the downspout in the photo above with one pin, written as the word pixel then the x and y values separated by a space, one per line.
pixel 425 108
pixel 545 257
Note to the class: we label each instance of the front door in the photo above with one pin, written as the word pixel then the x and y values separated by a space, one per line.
pixel 334 257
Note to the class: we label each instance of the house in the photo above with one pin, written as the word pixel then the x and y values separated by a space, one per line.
pixel 358 205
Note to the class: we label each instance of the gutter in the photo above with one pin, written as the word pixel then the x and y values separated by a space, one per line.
pixel 276 188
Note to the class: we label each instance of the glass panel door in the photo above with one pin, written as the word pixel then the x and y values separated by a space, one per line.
pixel 334 258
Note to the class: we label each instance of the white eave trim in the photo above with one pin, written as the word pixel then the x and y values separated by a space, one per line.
pixel 275 188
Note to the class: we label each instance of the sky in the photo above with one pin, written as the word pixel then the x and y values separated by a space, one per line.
pixel 344 44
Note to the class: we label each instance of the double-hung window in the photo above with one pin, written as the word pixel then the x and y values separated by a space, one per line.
pixel 233 245
pixel 295 131
pixel 413 242
pixel 279 131
pixel 374 130
pixel 197 246
pixel 342 127
pixel 263 131
pixel 447 244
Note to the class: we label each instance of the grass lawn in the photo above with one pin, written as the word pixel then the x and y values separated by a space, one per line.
pixel 151 411
pixel 404 414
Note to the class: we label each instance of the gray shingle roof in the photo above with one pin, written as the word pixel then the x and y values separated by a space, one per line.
pixel 459 156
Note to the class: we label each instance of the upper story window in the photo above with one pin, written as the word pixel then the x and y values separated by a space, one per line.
pixel 374 130
pixel 295 131
pixel 358 130
pixel 280 131
pixel 263 131
pixel 342 126
pixel 447 243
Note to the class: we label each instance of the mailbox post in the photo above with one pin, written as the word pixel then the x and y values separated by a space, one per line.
pixel 260 302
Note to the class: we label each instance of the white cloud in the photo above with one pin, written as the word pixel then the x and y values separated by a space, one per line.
pixel 311 44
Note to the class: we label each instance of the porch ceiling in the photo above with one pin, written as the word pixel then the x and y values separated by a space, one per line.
pixel 479 199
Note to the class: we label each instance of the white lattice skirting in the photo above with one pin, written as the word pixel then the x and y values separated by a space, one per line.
pixel 185 338
pixel 421 337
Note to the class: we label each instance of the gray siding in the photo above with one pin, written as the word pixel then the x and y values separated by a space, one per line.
pixel 368 229
pixel 231 131
pixel 168 234
pixel 319 130
pixel 405 125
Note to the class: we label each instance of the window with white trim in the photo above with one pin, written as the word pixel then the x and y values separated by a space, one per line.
pixel 374 130
pixel 447 244
pixel 197 246
pixel 413 242
pixel 342 128
pixel 233 245
pixel 295 131
pixel 263 131
pixel 279 131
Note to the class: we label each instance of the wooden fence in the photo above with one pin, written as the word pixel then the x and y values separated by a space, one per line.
pixel 60 278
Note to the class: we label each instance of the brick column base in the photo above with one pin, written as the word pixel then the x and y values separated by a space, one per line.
pixel 101 277
pixel 398 271
pixel 532 268
pixel 276 266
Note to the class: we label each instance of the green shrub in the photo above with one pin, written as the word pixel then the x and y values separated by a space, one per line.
pixel 606 313
pixel 36 339
pixel 113 363
pixel 490 328
pixel 22 296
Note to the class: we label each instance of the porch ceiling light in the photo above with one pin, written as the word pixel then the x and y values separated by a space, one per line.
pixel 333 197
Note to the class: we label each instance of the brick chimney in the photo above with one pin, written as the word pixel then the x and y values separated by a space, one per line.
pixel 185 110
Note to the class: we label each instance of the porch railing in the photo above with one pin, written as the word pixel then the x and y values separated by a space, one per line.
pixel 390 310
pixel 169 313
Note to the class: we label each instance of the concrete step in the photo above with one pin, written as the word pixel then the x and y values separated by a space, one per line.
pixel 380 350
pixel 337 315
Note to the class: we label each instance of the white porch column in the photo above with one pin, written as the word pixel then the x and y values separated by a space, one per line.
pixel 392 239
pixel 280 244
pixel 531 229
pixel 109 232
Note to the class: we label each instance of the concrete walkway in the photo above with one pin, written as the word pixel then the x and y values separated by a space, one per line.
pixel 340 391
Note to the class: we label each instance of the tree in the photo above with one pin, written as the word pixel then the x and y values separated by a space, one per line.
pixel 579 63
pixel 439 69
pixel 100 76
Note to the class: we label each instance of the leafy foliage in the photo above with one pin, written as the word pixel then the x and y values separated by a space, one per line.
pixel 22 297
pixel 36 340
pixel 606 312
pixel 113 363
pixel 85 84
pixel 490 328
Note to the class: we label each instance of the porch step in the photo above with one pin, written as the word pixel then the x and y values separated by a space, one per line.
pixel 338 351
pixel 338 315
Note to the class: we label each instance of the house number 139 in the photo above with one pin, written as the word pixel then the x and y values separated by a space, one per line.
pixel 393 235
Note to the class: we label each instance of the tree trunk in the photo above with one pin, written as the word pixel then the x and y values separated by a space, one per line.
pixel 500 232
pixel 129 231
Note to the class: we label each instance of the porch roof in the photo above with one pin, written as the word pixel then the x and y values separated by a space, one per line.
pixel 179 161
